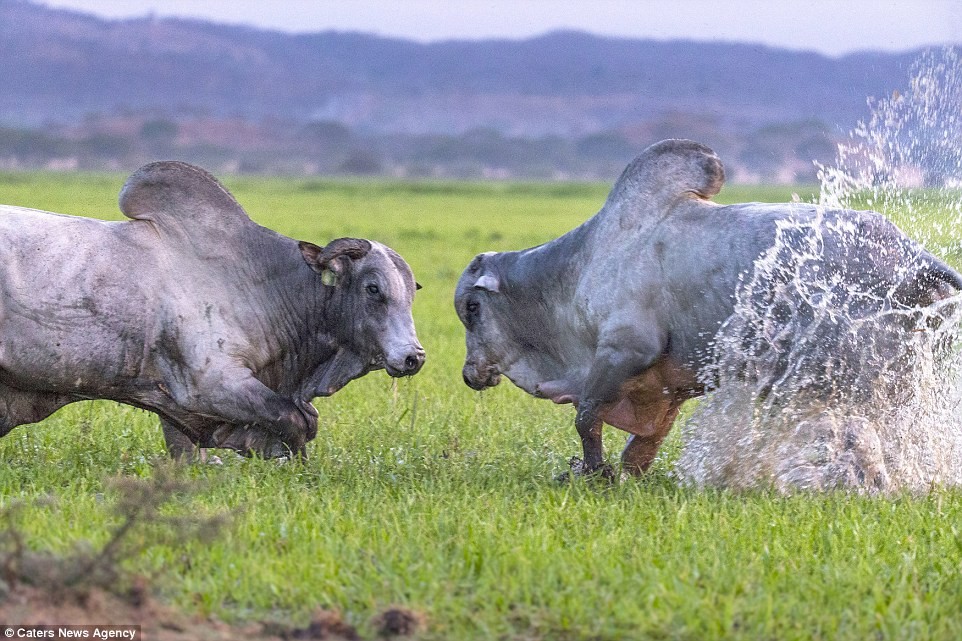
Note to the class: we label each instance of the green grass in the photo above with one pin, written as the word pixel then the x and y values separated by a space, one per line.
pixel 428 495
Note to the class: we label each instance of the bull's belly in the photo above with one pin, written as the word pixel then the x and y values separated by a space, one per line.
pixel 633 417
pixel 640 418
pixel 645 401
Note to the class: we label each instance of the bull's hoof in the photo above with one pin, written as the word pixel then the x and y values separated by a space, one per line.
pixel 577 467
pixel 310 417
pixel 251 441
pixel 299 456
pixel 274 450
pixel 209 459
pixel 283 454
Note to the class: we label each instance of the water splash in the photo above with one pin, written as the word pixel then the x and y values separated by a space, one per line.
pixel 821 382
pixel 906 160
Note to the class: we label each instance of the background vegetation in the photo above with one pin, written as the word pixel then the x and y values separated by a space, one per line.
pixel 81 92
pixel 427 495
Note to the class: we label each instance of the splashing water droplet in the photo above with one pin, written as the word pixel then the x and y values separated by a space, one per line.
pixel 822 379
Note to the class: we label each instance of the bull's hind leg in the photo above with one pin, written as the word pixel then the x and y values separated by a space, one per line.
pixel 179 445
pixel 19 407
pixel 640 451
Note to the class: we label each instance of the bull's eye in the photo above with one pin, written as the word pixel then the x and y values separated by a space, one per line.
pixel 473 306
pixel 373 289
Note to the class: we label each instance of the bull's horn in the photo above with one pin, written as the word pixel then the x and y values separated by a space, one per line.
pixel 353 248
pixel 488 282
pixel 322 259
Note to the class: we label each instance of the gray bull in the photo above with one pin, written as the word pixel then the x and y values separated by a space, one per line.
pixel 222 327
pixel 618 315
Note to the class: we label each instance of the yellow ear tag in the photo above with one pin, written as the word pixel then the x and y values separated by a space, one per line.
pixel 329 278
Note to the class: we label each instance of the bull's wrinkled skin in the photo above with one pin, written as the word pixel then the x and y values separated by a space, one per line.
pixel 618 315
pixel 222 327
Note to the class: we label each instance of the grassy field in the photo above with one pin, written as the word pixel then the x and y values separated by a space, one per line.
pixel 427 495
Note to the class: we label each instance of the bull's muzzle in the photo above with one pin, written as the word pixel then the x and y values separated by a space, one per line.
pixel 408 364
pixel 479 378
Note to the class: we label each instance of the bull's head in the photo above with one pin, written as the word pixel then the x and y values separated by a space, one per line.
pixel 475 301
pixel 372 290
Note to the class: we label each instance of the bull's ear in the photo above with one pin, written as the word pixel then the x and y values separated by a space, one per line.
pixel 313 256
pixel 488 282
pixel 311 252
pixel 417 286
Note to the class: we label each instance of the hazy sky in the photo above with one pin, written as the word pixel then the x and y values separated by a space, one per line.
pixel 830 26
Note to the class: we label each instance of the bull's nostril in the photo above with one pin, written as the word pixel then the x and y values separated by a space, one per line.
pixel 467 381
pixel 412 362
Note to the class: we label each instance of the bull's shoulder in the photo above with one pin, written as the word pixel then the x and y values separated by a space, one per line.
pixel 660 177
pixel 178 194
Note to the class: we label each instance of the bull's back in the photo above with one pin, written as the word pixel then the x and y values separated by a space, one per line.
pixel 703 254
pixel 712 251
pixel 55 259
pixel 71 301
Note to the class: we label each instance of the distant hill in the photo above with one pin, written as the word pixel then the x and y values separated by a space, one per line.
pixel 62 65
pixel 79 91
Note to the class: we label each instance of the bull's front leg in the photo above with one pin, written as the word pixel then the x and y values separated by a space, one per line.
pixel 613 365
pixel 246 402
pixel 181 448
pixel 589 426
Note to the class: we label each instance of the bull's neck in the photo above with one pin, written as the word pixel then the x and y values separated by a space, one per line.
pixel 554 267
pixel 291 311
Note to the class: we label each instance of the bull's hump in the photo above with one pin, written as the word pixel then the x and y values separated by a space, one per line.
pixel 179 193
pixel 664 173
